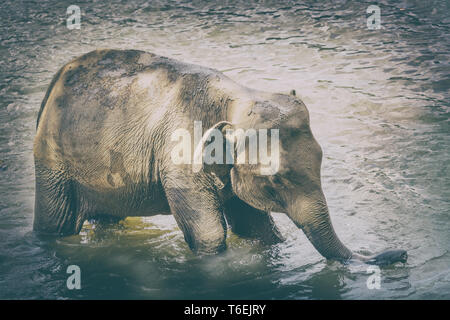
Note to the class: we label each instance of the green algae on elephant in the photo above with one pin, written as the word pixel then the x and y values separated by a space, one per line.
pixel 105 146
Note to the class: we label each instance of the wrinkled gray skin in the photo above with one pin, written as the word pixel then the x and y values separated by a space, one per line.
pixel 103 147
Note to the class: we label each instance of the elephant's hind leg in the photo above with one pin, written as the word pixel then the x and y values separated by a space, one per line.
pixel 57 208
pixel 248 222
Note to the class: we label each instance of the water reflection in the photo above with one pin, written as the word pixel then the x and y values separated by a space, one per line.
pixel 379 107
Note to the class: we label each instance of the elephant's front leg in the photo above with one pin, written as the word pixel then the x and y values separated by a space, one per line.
pixel 195 204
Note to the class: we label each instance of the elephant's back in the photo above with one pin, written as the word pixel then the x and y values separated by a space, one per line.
pixel 121 83
pixel 104 80
pixel 99 114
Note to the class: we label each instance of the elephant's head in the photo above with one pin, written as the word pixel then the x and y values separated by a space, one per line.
pixel 295 187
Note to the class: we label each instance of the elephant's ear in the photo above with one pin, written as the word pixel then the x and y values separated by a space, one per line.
pixel 215 162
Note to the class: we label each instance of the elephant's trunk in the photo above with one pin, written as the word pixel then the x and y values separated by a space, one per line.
pixel 310 213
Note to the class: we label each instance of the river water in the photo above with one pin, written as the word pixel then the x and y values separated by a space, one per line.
pixel 379 104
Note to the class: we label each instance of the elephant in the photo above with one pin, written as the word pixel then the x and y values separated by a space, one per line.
pixel 103 145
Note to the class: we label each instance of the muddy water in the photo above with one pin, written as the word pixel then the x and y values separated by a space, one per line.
pixel 379 104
